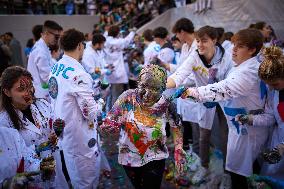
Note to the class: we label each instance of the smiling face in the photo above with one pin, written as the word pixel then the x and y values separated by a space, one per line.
pixel 22 93
pixel 205 45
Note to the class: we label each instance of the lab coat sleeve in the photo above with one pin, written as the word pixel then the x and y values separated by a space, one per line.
pixel 83 92
pixel 267 118
pixel 122 43
pixel 173 68
pixel 88 63
pixel 237 84
pixel 183 71
pixel 166 55
pixel 43 66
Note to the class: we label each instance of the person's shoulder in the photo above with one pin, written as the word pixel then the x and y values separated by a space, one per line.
pixel 4 119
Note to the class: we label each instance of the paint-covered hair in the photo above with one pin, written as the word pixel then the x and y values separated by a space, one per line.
pixel 9 77
pixel 158 73
pixel 272 67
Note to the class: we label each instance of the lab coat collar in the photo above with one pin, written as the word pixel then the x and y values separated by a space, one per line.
pixel 42 43
pixel 27 124
pixel 247 63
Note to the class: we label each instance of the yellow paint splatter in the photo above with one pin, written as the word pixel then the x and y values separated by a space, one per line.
pixel 201 69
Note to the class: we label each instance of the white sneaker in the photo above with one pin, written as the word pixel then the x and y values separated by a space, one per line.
pixel 226 182
pixel 201 173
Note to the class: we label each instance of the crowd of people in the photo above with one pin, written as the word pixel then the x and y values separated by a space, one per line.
pixel 79 89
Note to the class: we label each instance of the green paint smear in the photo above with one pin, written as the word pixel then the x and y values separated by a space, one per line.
pixel 136 137
pixel 44 85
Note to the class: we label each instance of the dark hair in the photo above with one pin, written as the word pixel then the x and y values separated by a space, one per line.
pixel 272 67
pixel 183 24
pixel 228 35
pixel 258 25
pixel 174 38
pixel 37 30
pixel 30 43
pixel 207 30
pixel 220 32
pixel 10 34
pixel 54 48
pixel 160 32
pixel 148 35
pixel 49 24
pixel 113 31
pixel 71 39
pixel 252 38
pixel 9 77
pixel 98 39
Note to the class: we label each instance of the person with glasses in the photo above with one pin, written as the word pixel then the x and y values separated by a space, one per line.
pixel 40 60
pixel 71 92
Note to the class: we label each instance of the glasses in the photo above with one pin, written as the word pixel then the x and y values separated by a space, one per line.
pixel 56 36
pixel 84 44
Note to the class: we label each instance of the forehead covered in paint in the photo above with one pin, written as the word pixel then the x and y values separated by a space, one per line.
pixel 153 76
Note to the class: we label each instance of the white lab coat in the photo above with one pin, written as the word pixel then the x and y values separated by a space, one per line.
pixel 228 46
pixel 93 59
pixel 70 88
pixel 114 55
pixel 12 149
pixel 193 64
pixel 240 92
pixel 183 105
pixel 39 64
pixel 33 134
pixel 150 52
pixel 272 119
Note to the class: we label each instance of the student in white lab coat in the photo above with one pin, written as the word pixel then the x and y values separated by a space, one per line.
pixel 70 89
pixel 271 71
pixel 241 94
pixel 21 111
pixel 94 57
pixel 13 149
pixel 166 54
pixel 184 31
pixel 114 48
pixel 40 61
pixel 152 48
pixel 209 64
pixel 55 53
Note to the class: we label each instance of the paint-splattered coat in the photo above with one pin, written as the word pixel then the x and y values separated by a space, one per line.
pixel 72 100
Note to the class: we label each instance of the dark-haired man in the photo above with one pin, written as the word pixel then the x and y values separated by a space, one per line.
pixel 40 61
pixel 209 64
pixel 114 48
pixel 16 49
pixel 70 89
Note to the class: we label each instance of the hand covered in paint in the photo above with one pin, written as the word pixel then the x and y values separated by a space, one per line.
pixel 47 166
pixel 190 93
pixel 109 127
pixel 178 93
pixel 58 127
pixel 244 119
pixel 272 156
pixel 20 180
pixel 180 161
pixel 53 139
